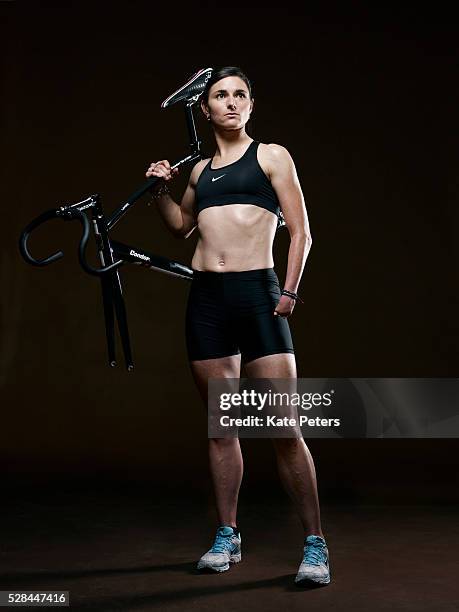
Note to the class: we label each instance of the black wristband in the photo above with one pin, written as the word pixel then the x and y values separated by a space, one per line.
pixel 292 295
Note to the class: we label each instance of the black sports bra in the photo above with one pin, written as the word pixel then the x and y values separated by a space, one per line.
pixel 241 182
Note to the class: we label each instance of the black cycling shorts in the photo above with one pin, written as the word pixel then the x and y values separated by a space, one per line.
pixel 233 312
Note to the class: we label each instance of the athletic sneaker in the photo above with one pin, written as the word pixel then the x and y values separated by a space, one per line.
pixel 314 569
pixel 226 550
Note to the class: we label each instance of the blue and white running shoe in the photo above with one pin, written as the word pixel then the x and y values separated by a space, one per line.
pixel 314 569
pixel 226 550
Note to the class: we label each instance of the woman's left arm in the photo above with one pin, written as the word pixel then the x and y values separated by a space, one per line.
pixel 285 183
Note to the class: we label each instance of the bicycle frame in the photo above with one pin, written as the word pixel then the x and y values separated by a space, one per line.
pixel 113 254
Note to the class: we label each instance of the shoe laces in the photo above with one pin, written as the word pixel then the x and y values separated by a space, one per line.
pixel 314 553
pixel 222 543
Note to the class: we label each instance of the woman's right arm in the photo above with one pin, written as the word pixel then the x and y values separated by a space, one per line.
pixel 180 219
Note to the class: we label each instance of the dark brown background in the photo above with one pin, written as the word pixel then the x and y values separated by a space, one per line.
pixel 366 105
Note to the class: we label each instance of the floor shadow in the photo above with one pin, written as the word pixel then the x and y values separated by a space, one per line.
pixel 44 575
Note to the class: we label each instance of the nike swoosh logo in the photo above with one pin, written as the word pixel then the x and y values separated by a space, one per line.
pixel 218 177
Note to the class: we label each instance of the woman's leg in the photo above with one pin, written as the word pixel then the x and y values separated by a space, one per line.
pixel 294 460
pixel 225 456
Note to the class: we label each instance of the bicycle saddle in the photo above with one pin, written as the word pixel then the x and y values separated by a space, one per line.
pixel 192 89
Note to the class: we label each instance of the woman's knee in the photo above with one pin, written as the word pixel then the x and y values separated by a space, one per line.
pixel 288 445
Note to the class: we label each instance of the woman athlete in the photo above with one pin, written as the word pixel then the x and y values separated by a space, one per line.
pixel 235 308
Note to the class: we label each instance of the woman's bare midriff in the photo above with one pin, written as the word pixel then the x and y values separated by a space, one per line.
pixel 234 238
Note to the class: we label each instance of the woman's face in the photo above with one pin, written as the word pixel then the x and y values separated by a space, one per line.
pixel 229 95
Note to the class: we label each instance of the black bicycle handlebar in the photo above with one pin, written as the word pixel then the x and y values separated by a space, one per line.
pixel 66 215
pixel 46 216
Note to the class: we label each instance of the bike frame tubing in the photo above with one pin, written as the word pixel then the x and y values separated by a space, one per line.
pixel 196 155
